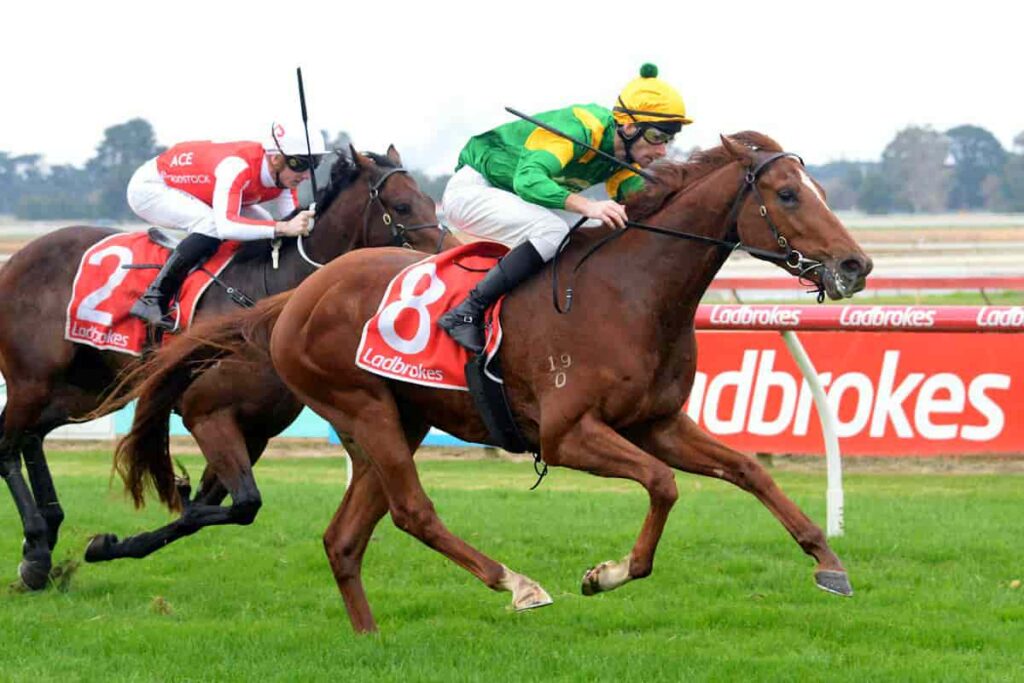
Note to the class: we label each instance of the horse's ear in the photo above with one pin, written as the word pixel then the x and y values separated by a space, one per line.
pixel 360 160
pixel 737 150
pixel 394 156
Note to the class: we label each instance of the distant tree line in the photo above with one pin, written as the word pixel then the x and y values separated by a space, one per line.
pixel 921 171
pixel 32 190
pixel 925 171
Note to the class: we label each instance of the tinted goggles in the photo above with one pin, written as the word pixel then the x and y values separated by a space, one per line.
pixel 301 164
pixel 656 136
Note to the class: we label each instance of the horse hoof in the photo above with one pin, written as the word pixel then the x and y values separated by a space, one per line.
pixel 834 582
pixel 99 547
pixel 34 575
pixel 591 584
pixel 605 577
pixel 532 600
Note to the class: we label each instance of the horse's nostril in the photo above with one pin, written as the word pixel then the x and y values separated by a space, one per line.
pixel 851 267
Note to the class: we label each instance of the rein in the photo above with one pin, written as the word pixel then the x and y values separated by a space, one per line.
pixel 790 257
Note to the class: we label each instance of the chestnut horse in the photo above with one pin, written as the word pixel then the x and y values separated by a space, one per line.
pixel 600 389
pixel 52 381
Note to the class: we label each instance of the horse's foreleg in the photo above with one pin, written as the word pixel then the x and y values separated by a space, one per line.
pixel 34 569
pixel 592 446
pixel 680 443
pixel 221 440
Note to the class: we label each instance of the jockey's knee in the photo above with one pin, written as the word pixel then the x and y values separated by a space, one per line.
pixel 547 243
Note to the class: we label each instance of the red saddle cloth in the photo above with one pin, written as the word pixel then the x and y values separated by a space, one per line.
pixel 105 290
pixel 402 340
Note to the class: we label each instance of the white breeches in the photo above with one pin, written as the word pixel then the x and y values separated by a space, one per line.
pixel 167 207
pixel 473 205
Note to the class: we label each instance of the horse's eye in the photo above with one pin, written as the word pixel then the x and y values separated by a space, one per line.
pixel 787 195
pixel 403 209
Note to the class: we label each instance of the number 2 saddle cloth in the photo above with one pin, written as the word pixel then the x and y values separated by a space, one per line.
pixel 106 285
pixel 402 340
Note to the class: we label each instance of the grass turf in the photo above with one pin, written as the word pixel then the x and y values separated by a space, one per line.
pixel 932 559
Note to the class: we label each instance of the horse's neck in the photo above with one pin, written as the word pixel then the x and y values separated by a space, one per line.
pixel 671 274
pixel 338 232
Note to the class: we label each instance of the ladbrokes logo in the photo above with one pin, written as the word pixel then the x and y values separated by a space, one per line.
pixel 885 403
pixel 887 317
pixel 395 365
pixel 1008 318
pixel 747 316
pixel 98 335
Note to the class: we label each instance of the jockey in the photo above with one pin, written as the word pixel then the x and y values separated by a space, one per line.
pixel 215 192
pixel 520 184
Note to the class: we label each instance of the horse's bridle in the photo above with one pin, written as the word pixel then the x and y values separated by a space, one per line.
pixel 399 232
pixel 791 258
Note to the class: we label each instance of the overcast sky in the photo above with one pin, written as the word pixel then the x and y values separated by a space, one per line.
pixel 829 80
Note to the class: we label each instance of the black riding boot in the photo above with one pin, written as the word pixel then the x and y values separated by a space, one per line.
pixel 465 322
pixel 152 305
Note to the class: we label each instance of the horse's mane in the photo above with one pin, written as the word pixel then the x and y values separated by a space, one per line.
pixel 344 172
pixel 674 176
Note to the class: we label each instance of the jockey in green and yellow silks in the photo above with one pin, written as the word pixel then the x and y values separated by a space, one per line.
pixel 520 184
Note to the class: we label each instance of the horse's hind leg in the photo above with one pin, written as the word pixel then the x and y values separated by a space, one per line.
pixel 592 446
pixel 348 534
pixel 680 443
pixel 42 486
pixel 23 407
pixel 387 448
pixel 226 449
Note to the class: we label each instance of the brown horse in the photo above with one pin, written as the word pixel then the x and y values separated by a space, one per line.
pixel 231 403
pixel 599 390
pixel 52 381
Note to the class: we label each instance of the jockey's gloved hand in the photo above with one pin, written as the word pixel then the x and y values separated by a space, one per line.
pixel 298 225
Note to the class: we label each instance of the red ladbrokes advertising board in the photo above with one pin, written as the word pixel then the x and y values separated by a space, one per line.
pixel 896 393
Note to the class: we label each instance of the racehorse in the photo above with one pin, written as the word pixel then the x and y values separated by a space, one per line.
pixel 600 389
pixel 232 408
pixel 369 201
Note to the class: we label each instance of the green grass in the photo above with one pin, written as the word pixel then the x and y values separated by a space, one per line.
pixel 931 558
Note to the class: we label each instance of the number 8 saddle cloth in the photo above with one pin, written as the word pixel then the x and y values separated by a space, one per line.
pixel 402 340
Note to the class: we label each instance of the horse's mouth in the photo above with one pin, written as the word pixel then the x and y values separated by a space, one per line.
pixel 839 287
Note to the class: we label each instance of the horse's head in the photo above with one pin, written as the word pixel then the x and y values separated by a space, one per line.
pixel 379 204
pixel 782 210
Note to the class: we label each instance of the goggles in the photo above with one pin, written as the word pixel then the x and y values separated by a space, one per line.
pixel 301 164
pixel 656 136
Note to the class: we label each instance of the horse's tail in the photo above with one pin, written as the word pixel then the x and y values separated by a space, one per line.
pixel 143 455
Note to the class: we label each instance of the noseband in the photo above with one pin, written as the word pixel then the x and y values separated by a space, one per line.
pixel 399 232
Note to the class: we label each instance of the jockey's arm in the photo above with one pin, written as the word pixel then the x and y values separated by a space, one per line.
pixel 534 182
pixel 231 177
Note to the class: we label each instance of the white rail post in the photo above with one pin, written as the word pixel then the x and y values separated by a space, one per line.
pixel 833 460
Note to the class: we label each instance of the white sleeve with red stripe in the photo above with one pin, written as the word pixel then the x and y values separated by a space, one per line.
pixel 230 178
